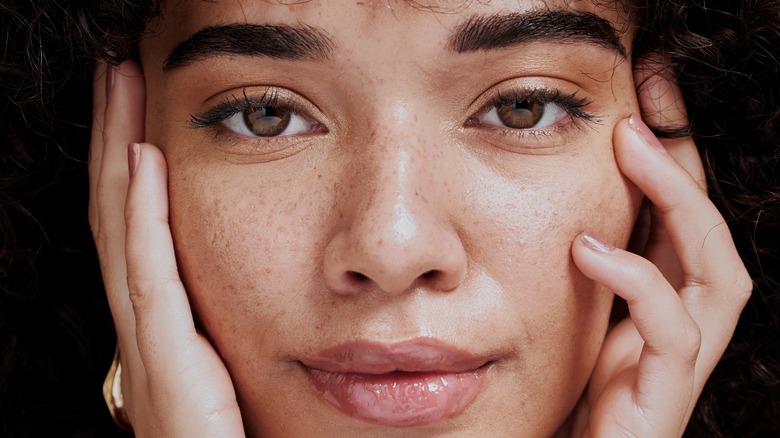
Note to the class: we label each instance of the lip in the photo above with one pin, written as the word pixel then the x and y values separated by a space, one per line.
pixel 413 383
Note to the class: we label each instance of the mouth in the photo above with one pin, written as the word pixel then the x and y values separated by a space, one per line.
pixel 414 383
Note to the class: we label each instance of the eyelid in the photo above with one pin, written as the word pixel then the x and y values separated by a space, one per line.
pixel 579 110
pixel 569 102
pixel 265 96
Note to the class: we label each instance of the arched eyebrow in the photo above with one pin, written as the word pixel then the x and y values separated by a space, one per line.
pixel 273 41
pixel 488 32
pixel 478 33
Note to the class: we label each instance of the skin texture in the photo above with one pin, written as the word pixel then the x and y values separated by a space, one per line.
pixel 460 232
pixel 266 231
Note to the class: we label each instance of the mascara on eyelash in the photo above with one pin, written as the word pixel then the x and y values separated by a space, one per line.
pixel 570 103
pixel 234 105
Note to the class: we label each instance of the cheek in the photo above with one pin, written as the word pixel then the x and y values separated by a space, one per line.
pixel 521 239
pixel 242 250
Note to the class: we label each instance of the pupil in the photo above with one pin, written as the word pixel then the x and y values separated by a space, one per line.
pixel 522 114
pixel 267 121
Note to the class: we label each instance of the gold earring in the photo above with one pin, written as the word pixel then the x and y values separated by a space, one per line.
pixel 112 394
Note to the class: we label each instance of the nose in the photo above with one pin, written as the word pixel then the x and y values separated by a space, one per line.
pixel 397 233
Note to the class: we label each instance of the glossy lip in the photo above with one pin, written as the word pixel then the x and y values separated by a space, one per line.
pixel 413 383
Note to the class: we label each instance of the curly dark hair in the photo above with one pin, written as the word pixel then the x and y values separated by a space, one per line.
pixel 56 335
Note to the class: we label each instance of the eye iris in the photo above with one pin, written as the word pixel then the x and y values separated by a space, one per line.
pixel 267 121
pixel 521 114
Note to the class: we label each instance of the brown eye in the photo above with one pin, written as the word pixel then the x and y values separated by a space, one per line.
pixel 520 114
pixel 524 113
pixel 267 121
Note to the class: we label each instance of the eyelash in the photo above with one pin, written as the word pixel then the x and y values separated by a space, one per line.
pixel 573 105
pixel 234 105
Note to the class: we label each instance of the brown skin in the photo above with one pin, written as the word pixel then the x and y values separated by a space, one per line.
pixel 398 184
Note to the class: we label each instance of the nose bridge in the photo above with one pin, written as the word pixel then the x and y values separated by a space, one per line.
pixel 397 232
pixel 401 172
pixel 396 192
pixel 396 205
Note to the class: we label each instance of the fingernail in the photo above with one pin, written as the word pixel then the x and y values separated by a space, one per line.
pixel 644 133
pixel 596 243
pixel 133 157
pixel 109 80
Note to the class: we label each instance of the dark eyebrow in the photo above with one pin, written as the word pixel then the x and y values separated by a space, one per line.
pixel 506 30
pixel 273 41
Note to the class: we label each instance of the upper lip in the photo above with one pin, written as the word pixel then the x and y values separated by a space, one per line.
pixel 417 355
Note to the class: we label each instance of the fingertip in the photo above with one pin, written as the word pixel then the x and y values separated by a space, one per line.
pixel 145 158
pixel 591 253
pixel 596 243
pixel 148 177
pixel 124 109
pixel 129 68
pixel 640 155
pixel 660 98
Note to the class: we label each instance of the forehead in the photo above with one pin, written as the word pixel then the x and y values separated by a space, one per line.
pixel 354 24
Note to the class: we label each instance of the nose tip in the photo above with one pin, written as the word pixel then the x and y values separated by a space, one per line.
pixel 357 261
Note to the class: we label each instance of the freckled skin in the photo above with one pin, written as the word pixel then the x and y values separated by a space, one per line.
pixel 397 222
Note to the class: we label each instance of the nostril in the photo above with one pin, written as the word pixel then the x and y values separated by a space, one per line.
pixel 357 276
pixel 430 275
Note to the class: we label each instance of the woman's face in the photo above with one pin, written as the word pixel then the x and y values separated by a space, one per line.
pixel 373 205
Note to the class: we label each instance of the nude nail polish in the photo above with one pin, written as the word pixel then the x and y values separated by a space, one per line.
pixel 597 243
pixel 644 133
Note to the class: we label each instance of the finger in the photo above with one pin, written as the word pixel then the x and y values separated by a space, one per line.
pixel 665 372
pixel 164 323
pixel 716 285
pixel 662 104
pixel 698 232
pixel 123 123
pixel 180 364
pixel 660 98
pixel 167 340
pixel 101 81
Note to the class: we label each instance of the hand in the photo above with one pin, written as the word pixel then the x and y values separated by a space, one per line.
pixel 173 381
pixel 684 296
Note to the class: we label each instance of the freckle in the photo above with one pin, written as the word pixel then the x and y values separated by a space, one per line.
pixel 319 176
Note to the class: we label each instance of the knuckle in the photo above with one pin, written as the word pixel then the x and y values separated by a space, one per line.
pixel 140 292
pixel 143 290
pixel 743 287
pixel 689 342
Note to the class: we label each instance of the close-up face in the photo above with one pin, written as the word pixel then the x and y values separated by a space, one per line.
pixel 373 204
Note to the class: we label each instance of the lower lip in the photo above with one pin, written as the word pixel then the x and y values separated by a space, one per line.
pixel 399 399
